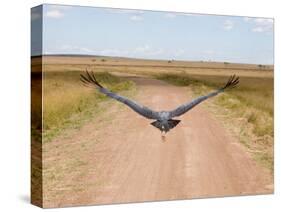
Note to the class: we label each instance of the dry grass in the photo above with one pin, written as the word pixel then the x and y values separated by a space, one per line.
pixel 246 110
pixel 68 104
pixel 132 62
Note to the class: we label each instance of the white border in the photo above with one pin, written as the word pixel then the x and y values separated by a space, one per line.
pixel 15 106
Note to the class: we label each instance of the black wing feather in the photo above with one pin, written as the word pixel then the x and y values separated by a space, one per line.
pixel 231 83
pixel 89 79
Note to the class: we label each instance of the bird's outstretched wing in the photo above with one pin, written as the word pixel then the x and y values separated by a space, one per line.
pixel 231 83
pixel 89 79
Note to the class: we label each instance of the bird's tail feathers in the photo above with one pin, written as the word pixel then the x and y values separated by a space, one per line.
pixel 171 124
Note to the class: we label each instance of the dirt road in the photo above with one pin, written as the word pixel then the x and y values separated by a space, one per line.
pixel 123 158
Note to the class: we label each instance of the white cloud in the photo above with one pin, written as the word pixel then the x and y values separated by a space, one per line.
pixel 144 48
pixel 258 29
pixel 78 49
pixel 136 18
pixel 54 14
pixel 188 14
pixel 192 14
pixel 140 51
pixel 83 49
pixel 264 21
pixel 113 52
pixel 56 11
pixel 228 25
pixel 260 24
pixel 147 50
pixel 263 25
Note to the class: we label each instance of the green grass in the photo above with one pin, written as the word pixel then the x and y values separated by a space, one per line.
pixel 249 107
pixel 68 104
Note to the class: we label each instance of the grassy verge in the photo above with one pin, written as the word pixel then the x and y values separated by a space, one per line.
pixel 247 110
pixel 69 104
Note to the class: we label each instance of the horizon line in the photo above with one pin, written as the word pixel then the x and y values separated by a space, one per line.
pixel 139 58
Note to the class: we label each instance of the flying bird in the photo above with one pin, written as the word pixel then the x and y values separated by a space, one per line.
pixel 163 119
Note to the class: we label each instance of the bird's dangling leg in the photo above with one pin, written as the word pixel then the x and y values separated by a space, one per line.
pixel 163 136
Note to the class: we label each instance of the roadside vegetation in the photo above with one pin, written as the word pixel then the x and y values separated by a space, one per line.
pixel 246 110
pixel 68 104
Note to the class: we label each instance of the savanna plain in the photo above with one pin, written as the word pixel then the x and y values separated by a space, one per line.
pixel 96 150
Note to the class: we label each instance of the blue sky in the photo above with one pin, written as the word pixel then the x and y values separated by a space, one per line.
pixel 155 35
